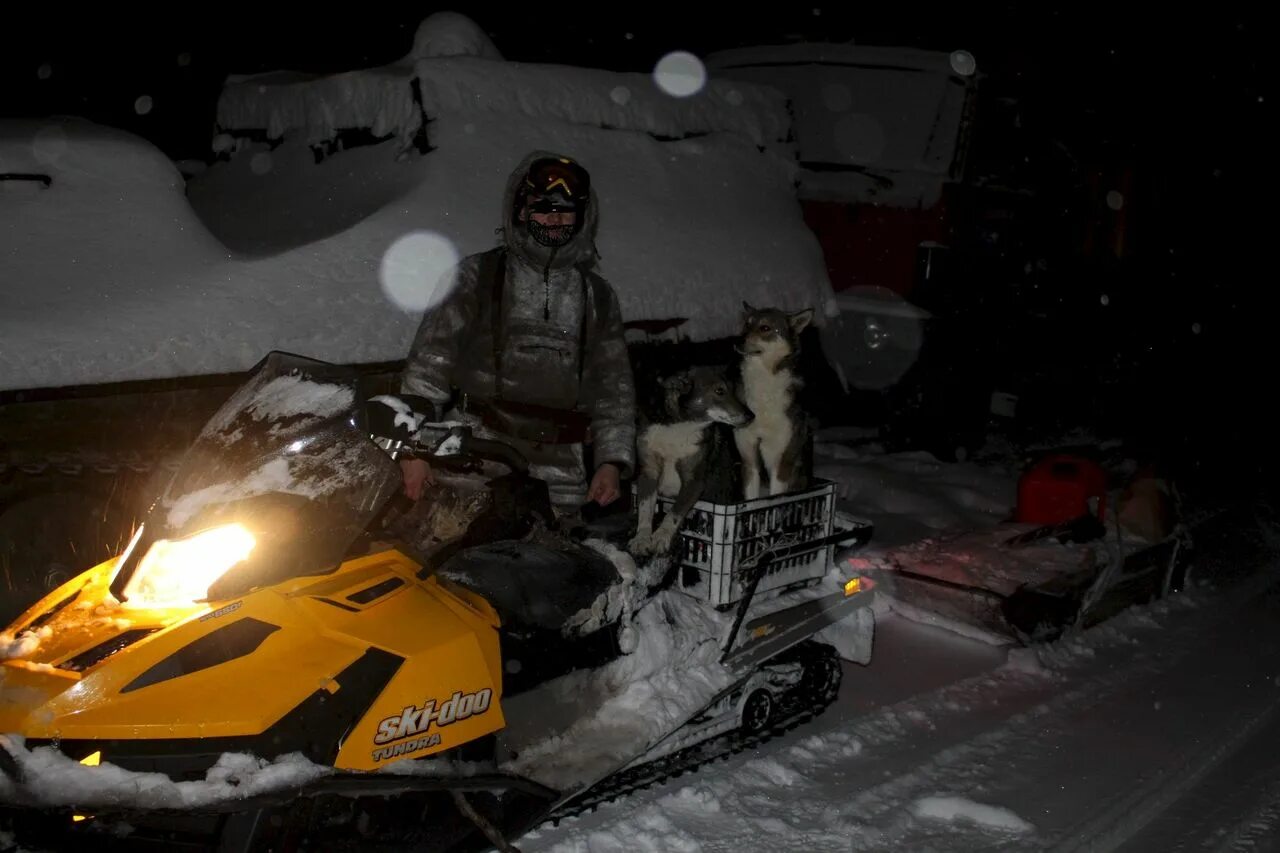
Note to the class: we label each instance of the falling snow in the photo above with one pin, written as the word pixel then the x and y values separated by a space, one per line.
pixel 963 63
pixel 415 271
pixel 260 163
pixel 680 74
pixel 837 97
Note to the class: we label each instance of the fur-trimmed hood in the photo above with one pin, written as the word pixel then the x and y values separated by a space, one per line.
pixel 581 249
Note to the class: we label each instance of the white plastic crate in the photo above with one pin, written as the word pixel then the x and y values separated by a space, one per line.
pixel 716 539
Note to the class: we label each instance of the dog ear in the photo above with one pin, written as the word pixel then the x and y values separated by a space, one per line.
pixel 681 383
pixel 800 320
pixel 747 310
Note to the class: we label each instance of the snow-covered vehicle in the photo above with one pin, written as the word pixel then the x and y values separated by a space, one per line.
pixel 264 607
pixel 133 297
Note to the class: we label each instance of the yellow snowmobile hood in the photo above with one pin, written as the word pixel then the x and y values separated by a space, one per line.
pixel 356 668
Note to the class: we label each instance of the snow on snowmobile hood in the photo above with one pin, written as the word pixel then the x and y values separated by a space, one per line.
pixel 285 466
pixel 580 249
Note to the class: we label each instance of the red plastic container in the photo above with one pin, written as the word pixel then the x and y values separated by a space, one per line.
pixel 1058 488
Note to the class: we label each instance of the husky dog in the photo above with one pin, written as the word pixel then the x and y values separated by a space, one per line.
pixel 774 447
pixel 676 447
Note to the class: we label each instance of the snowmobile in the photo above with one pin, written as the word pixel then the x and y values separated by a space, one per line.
pixel 262 608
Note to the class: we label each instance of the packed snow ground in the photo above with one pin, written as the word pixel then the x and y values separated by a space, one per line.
pixel 1151 732
pixel 1155 731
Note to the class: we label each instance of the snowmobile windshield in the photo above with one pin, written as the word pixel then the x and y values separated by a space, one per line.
pixel 279 483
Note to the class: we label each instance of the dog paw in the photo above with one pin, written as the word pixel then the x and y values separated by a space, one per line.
pixel 640 545
pixel 663 538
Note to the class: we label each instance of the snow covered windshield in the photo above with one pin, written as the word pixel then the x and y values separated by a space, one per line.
pixel 287 457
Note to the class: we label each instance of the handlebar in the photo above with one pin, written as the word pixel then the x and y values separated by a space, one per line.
pixel 460 442
pixel 402 425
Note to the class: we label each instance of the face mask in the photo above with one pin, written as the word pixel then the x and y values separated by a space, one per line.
pixel 551 236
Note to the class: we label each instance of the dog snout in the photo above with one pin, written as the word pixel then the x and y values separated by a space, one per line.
pixel 733 416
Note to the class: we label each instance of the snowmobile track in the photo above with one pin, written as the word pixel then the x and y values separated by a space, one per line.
pixel 800 706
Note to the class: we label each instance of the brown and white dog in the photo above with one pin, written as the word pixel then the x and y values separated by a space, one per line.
pixel 774 446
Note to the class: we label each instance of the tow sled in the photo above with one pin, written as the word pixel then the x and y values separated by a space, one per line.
pixel 1069 557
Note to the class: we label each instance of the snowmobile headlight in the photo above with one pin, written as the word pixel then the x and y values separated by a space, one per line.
pixel 852 586
pixel 177 573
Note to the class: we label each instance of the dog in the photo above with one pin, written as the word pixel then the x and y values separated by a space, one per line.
pixel 677 448
pixel 775 446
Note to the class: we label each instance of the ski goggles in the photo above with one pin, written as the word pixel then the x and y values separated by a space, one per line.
pixel 553 175
pixel 551 204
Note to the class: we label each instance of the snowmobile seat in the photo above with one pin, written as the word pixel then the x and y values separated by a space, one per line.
pixel 615 523
pixel 532 585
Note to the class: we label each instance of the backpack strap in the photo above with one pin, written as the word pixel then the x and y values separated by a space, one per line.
pixel 493 271
pixel 595 301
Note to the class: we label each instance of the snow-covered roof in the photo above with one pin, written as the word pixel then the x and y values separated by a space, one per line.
pixel 606 99
pixel 456 67
pixel 451 34
pixel 378 99
pixel 382 100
